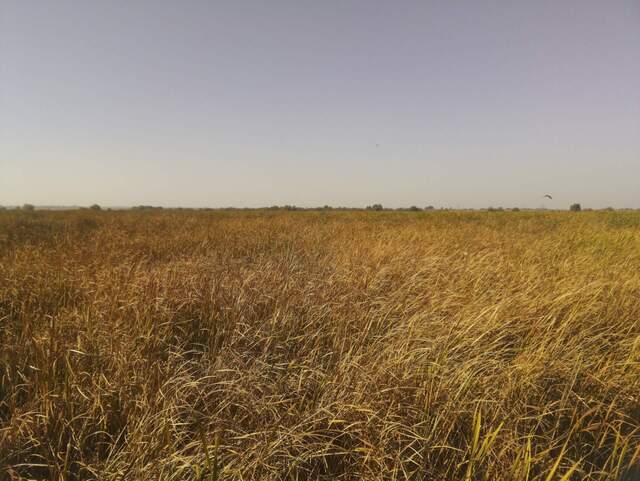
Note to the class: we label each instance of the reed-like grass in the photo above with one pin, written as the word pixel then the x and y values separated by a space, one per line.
pixel 319 345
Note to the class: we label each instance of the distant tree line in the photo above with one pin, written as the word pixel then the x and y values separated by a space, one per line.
pixel 146 207
pixel 373 207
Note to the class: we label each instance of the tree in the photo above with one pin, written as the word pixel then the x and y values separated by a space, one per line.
pixel 375 207
pixel 414 208
pixel 95 207
pixel 575 208
pixel 429 207
pixel 28 207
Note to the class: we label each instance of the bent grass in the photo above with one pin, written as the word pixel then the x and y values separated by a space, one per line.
pixel 185 345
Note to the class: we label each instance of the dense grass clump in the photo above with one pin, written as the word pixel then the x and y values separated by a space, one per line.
pixel 188 345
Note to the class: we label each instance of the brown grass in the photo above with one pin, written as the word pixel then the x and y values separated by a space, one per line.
pixel 317 345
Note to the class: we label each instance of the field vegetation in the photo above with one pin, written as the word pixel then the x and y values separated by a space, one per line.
pixel 289 345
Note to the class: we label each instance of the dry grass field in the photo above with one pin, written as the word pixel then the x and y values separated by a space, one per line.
pixel 192 345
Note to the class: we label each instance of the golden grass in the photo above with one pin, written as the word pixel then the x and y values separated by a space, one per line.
pixel 319 345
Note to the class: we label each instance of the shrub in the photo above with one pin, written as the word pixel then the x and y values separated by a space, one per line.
pixel 375 207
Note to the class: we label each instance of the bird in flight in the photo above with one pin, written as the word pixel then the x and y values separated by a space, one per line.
pixel 547 196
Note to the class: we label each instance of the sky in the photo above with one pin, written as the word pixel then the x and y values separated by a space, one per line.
pixel 254 103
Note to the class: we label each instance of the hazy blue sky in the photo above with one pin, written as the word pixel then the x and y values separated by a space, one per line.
pixel 248 103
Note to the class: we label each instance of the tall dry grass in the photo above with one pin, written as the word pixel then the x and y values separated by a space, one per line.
pixel 317 345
